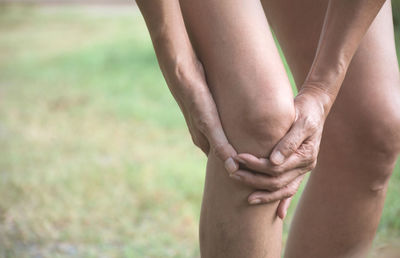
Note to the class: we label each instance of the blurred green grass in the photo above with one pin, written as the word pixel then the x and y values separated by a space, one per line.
pixel 96 159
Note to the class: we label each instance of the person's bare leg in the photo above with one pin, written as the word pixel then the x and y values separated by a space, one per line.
pixel 341 206
pixel 255 103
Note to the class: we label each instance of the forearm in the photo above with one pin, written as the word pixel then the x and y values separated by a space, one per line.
pixel 346 22
pixel 185 77
pixel 176 57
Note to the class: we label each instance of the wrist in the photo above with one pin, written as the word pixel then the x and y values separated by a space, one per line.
pixel 325 79
pixel 185 78
pixel 322 98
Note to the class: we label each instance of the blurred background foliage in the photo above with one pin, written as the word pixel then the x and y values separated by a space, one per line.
pixel 396 12
pixel 96 160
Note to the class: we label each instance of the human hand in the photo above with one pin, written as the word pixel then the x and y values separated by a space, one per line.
pixel 279 176
pixel 201 115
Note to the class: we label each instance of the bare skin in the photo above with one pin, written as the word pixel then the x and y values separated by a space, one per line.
pixel 254 106
pixel 341 206
pixel 255 103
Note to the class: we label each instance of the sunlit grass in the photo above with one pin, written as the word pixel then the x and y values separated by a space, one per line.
pixel 96 159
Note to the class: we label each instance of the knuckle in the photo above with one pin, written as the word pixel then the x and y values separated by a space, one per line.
pixel 276 170
pixel 315 155
pixel 311 123
pixel 302 171
pixel 313 165
pixel 306 169
pixel 251 182
pixel 276 183
pixel 307 153
pixel 310 160
pixel 266 198
pixel 290 192
pixel 306 150
pixel 310 150
pixel 289 146
pixel 313 149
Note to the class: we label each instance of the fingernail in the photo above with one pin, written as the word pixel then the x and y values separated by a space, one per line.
pixel 240 160
pixel 235 176
pixel 277 158
pixel 284 214
pixel 230 165
pixel 255 201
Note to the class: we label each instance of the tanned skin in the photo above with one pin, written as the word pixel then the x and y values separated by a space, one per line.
pixel 221 64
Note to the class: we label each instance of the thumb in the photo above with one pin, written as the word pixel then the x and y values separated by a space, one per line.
pixel 283 207
pixel 223 149
pixel 288 144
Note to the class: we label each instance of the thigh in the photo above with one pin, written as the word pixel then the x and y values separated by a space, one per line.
pixel 371 85
pixel 370 93
pixel 242 64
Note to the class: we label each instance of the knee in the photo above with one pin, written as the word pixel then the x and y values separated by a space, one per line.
pixel 379 143
pixel 262 125
pixel 381 136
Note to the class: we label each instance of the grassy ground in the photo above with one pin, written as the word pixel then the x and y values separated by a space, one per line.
pixel 95 157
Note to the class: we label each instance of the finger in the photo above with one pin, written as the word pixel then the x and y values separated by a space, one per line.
pixel 288 144
pixel 283 207
pixel 303 156
pixel 262 165
pixel 264 182
pixel 283 193
pixel 223 149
